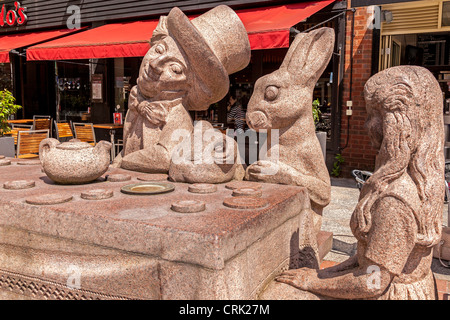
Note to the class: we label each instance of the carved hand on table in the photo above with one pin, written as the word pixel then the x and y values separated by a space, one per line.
pixel 302 278
pixel 270 172
pixel 299 278
pixel 281 173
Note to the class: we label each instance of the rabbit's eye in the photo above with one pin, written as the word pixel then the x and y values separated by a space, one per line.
pixel 271 93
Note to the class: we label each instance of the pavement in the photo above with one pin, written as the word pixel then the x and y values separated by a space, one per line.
pixel 336 219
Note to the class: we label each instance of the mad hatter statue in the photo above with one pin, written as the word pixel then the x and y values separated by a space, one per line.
pixel 186 69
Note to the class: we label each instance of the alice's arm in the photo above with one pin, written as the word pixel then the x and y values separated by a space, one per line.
pixel 357 283
pixel 380 259
pixel 350 263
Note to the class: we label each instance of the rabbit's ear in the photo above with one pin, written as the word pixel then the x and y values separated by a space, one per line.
pixel 309 55
pixel 301 38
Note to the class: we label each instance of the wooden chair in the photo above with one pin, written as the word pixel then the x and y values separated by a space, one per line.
pixel 63 131
pixel 84 132
pixel 28 143
pixel 42 123
pixel 15 128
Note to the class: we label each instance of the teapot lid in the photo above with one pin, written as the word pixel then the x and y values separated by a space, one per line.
pixel 74 145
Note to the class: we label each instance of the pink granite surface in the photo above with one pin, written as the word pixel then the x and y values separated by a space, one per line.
pixel 220 245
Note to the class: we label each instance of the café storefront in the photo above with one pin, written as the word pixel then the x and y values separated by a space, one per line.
pixel 79 62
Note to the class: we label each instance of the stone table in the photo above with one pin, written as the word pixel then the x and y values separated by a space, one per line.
pixel 137 247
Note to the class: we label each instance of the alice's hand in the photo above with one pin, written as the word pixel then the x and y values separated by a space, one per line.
pixel 299 278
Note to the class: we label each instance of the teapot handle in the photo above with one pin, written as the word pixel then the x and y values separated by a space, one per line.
pixel 45 146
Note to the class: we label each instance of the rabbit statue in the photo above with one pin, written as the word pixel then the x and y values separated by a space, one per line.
pixel 283 100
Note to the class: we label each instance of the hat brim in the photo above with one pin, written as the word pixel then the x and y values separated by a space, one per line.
pixel 205 63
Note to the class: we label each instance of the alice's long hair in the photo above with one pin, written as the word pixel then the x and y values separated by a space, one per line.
pixel 410 102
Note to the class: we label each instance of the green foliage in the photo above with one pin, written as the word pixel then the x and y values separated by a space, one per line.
pixel 316 111
pixel 336 172
pixel 7 108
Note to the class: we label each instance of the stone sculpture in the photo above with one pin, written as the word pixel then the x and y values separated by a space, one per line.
pixel 69 242
pixel 283 100
pixel 207 157
pixel 186 69
pixel 398 218
pixel 74 162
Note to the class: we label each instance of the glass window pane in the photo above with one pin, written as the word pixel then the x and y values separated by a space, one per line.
pixel 446 14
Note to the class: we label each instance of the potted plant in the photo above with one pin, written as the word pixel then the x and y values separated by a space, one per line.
pixel 322 136
pixel 7 108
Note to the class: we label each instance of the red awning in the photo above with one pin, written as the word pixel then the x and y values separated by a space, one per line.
pixel 116 40
pixel 267 27
pixel 15 41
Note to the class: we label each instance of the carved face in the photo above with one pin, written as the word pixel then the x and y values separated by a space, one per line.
pixel 164 72
pixel 374 124
pixel 275 102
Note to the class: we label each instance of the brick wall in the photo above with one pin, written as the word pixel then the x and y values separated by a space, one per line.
pixel 359 153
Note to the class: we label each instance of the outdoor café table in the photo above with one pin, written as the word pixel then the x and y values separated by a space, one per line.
pixel 21 121
pixel 112 127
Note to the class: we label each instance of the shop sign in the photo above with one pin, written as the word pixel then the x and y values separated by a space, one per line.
pixel 118 118
pixel 10 17
pixel 97 88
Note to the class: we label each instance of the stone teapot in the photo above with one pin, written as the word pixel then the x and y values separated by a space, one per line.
pixel 74 162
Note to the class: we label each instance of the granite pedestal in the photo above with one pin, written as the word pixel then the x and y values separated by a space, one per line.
pixel 137 247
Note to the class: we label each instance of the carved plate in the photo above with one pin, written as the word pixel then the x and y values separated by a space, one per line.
pixel 148 188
